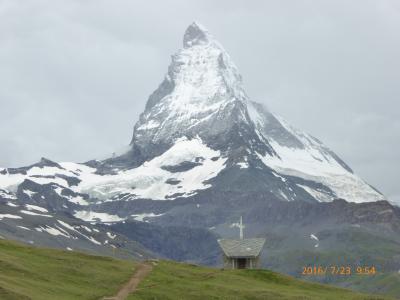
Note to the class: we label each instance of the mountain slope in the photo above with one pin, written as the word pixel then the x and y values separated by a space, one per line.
pixel 38 224
pixel 37 273
pixel 170 280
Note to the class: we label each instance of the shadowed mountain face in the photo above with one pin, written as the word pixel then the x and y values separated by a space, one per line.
pixel 202 154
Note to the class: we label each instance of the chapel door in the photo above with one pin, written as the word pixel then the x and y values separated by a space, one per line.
pixel 241 263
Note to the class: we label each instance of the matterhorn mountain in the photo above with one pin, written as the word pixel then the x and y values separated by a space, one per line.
pixel 200 122
pixel 201 155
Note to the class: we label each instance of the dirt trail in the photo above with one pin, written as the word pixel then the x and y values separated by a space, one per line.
pixel 142 271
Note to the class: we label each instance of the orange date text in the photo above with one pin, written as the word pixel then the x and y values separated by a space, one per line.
pixel 336 270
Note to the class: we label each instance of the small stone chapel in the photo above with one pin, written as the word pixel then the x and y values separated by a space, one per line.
pixel 241 253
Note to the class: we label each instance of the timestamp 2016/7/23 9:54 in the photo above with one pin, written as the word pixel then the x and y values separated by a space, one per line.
pixel 338 270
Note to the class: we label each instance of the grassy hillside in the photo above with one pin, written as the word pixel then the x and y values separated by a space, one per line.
pixel 388 284
pixel 37 273
pixel 170 280
pixel 344 246
pixel 33 273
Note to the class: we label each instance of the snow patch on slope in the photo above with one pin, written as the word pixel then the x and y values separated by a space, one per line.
pixel 141 217
pixel 311 163
pixel 7 195
pixel 308 161
pixel 9 216
pixel 314 237
pixel 319 195
pixel 51 230
pixel 91 216
pixel 149 180
pixel 42 175
pixel 37 208
pixel 28 212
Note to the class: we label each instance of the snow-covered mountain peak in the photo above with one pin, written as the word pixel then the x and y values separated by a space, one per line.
pixel 196 34
pixel 202 96
pixel 199 131
pixel 201 71
pixel 203 64
pixel 202 87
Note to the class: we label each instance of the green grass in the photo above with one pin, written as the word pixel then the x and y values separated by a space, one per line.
pixel 171 280
pixel 388 283
pixel 38 273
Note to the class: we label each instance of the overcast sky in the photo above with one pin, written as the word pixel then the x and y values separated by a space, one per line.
pixel 76 74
